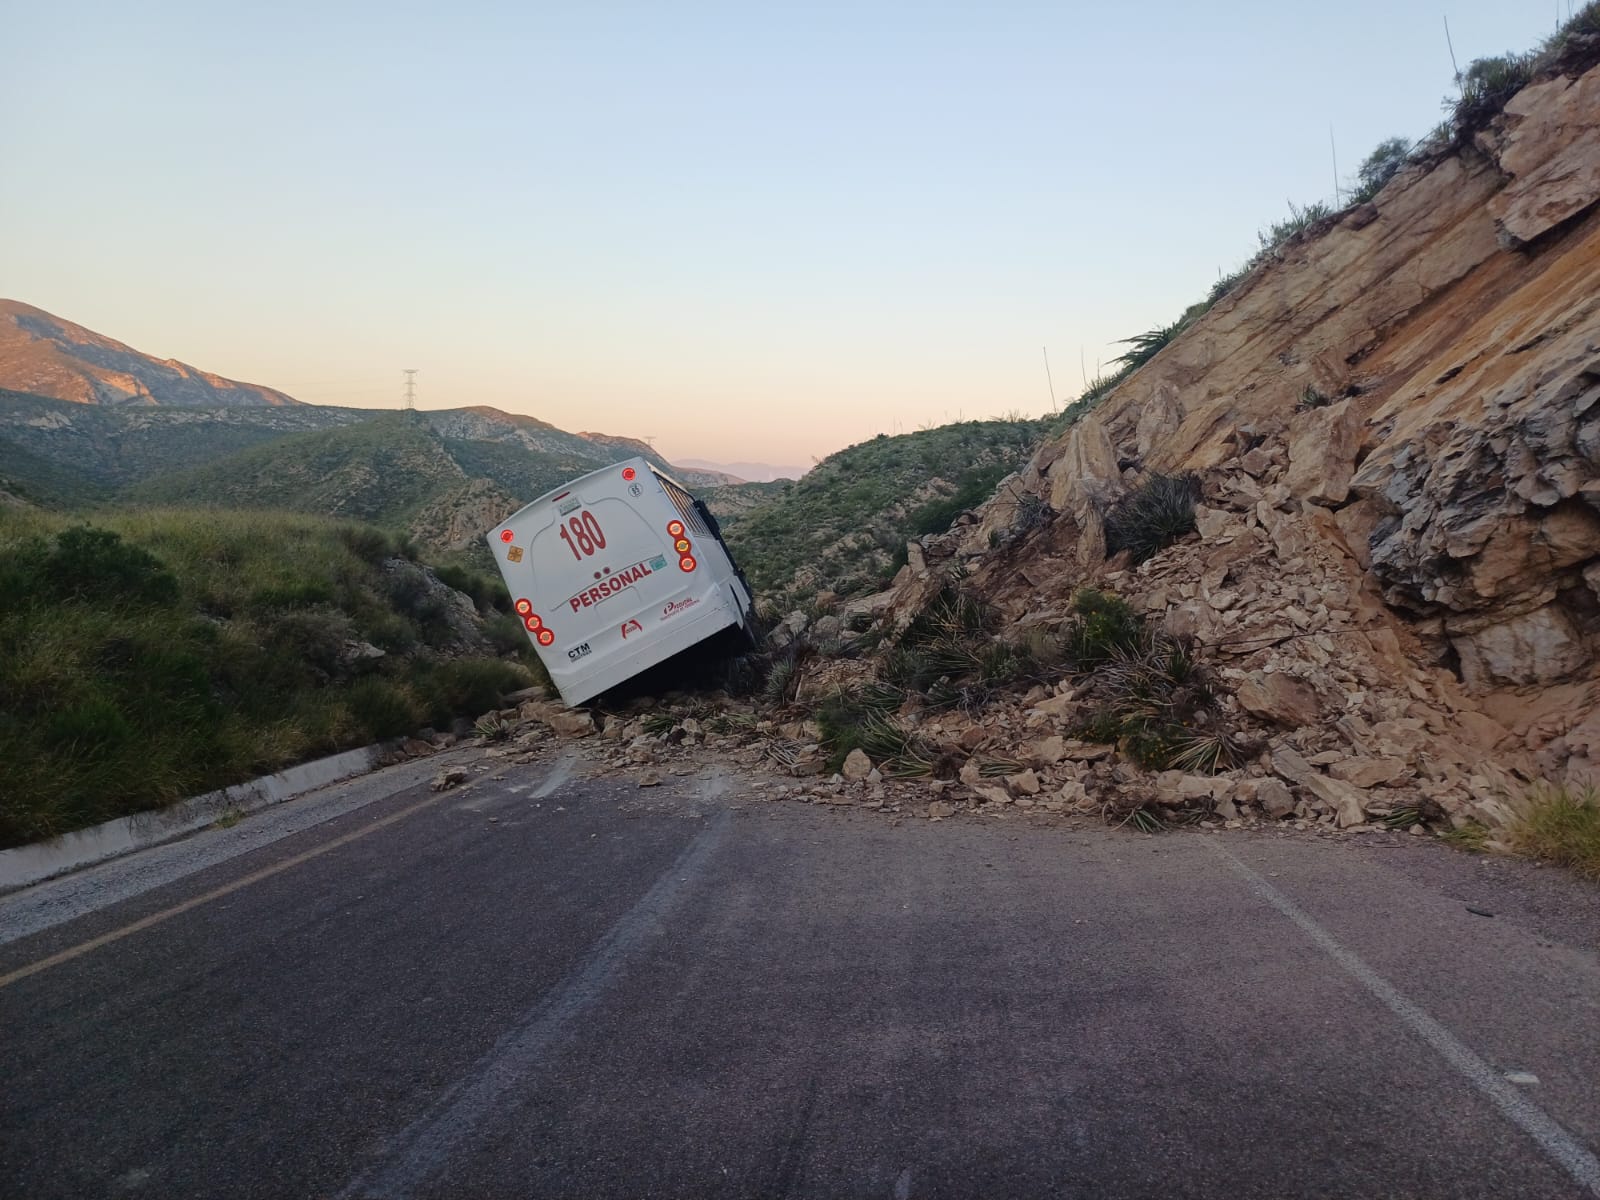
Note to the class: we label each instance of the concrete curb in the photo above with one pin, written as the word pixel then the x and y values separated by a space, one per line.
pixel 25 865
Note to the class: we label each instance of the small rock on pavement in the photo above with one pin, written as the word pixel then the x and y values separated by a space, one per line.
pixel 857 765
pixel 940 809
pixel 446 780
pixel 650 779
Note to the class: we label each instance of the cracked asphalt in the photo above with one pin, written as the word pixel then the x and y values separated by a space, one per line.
pixel 549 983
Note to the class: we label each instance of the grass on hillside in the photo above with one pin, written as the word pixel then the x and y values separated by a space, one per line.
pixel 1562 825
pixel 159 654
pixel 845 524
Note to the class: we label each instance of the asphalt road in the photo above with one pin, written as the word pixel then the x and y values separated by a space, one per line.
pixel 544 984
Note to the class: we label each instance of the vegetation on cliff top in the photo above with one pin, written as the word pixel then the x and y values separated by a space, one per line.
pixel 1483 89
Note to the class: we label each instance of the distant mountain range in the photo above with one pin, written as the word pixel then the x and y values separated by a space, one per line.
pixel 44 355
pixel 114 427
pixel 752 472
pixel 87 420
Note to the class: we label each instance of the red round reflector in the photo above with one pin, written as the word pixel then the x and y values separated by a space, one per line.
pixel 686 563
pixel 682 546
pixel 675 529
pixel 545 637
pixel 628 473
pixel 532 622
pixel 507 536
pixel 524 607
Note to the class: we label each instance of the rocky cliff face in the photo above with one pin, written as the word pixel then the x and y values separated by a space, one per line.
pixel 44 355
pixel 1396 428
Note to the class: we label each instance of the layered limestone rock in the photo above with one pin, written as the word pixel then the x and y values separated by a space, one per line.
pixel 1397 430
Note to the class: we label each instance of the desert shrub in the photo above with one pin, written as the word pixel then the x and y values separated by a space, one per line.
pixel 1486 85
pixel 175 652
pixel 1225 284
pixel 506 634
pixel 367 543
pixel 1379 167
pixel 936 515
pixel 1033 512
pixel 298 593
pixel 1147 345
pixel 467 687
pixel 1101 626
pixel 313 639
pixel 383 707
pixel 492 728
pixel 1562 825
pixel 1158 702
pixel 83 564
pixel 1157 513
pixel 488 592
pixel 863 721
pixel 1278 234
pixel 950 614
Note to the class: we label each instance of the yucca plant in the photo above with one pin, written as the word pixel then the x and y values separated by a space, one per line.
pixel 1486 85
pixel 1147 345
pixel 1153 516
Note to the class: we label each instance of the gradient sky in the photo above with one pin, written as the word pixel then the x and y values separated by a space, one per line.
pixel 749 231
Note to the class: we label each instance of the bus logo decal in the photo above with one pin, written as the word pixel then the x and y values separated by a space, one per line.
pixel 578 652
pixel 631 627
pixel 677 606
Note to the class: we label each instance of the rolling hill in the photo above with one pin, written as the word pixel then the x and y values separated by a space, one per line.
pixel 844 526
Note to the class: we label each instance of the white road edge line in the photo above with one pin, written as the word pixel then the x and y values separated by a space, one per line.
pixel 425 1146
pixel 53 902
pixel 1556 1142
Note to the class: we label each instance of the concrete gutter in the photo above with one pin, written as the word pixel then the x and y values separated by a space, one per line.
pixel 26 865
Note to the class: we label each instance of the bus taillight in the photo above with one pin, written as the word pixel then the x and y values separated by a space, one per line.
pixel 545 637
pixel 675 529
pixel 687 563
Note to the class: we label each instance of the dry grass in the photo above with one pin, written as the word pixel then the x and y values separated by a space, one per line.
pixel 1562 826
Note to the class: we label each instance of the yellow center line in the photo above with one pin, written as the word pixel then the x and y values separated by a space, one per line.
pixel 143 923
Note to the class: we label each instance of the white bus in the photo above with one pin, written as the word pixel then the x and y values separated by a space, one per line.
pixel 616 572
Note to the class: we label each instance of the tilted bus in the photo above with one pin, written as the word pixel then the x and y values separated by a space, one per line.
pixel 618 571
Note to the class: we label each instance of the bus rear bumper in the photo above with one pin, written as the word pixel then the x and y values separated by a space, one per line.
pixel 587 679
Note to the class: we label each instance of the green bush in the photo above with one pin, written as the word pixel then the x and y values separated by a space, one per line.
pixel 1147 345
pixel 1486 85
pixel 1159 703
pixel 384 708
pixel 863 722
pixel 1279 233
pixel 1157 513
pixel 170 653
pixel 1382 165
pixel 1102 626
pixel 1562 825
pixel 368 543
